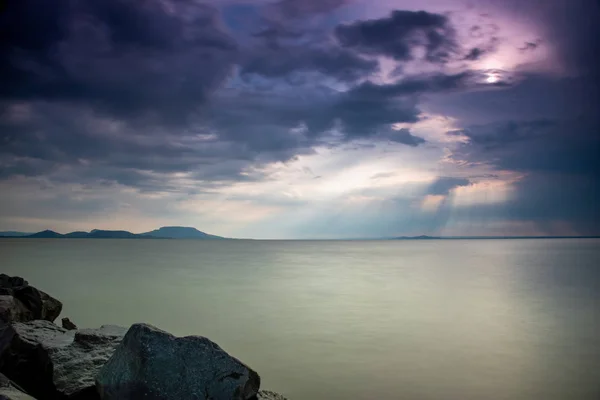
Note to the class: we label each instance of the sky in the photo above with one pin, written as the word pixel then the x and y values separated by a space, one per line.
pixel 301 118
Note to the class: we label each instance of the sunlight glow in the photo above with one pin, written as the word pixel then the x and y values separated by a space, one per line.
pixel 492 78
pixel 483 192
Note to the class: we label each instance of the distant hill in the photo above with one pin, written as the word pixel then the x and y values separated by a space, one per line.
pixel 100 234
pixel 14 234
pixel 180 232
pixel 422 237
pixel 76 235
pixel 167 232
pixel 47 234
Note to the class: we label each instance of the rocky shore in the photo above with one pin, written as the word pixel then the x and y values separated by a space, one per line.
pixel 44 361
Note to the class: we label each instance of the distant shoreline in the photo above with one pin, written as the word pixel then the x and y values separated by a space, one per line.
pixel 141 237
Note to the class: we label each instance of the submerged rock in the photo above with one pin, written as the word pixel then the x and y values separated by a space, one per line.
pixel 67 324
pixel 20 302
pixel 10 391
pixel 51 362
pixel 153 364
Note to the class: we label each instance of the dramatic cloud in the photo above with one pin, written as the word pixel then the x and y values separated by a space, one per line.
pixel 300 118
pixel 557 162
pixel 474 54
pixel 399 35
pixel 293 61
pixel 443 185
pixel 160 59
pixel 405 137
pixel 304 8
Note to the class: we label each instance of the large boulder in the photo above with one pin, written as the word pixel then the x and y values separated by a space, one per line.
pixel 10 391
pixel 154 365
pixel 20 302
pixel 53 363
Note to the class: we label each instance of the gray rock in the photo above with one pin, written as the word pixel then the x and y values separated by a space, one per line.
pixel 21 302
pixel 51 362
pixel 12 309
pixel 10 391
pixel 51 307
pixel 7 332
pixel 12 281
pixel 67 324
pixel 155 365
pixel 268 395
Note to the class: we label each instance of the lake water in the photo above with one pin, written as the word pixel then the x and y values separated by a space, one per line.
pixel 376 320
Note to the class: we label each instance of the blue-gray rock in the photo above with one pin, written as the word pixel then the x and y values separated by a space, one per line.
pixel 51 307
pixel 20 302
pixel 51 362
pixel 154 365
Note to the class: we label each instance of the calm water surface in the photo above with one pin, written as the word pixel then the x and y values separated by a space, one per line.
pixel 422 320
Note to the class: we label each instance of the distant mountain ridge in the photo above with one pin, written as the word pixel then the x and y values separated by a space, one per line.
pixel 180 232
pixel 167 232
pixel 421 237
pixel 14 234
pixel 47 234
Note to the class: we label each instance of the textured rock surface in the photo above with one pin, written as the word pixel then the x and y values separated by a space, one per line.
pixel 268 395
pixel 10 391
pixel 20 302
pixel 50 362
pixel 153 364
pixel 51 307
pixel 11 309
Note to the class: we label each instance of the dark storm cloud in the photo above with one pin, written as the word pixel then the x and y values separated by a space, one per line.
pixel 128 58
pixel 398 35
pixel 237 132
pixel 573 28
pixel 415 85
pixel 405 137
pixel 287 47
pixel 474 54
pixel 530 97
pixel 291 61
pixel 530 46
pixel 262 121
pixel 66 144
pixel 551 146
pixel 370 109
pixel 559 164
pixel 93 74
pixel 498 135
pixel 545 130
pixel 444 184
pixel 305 8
